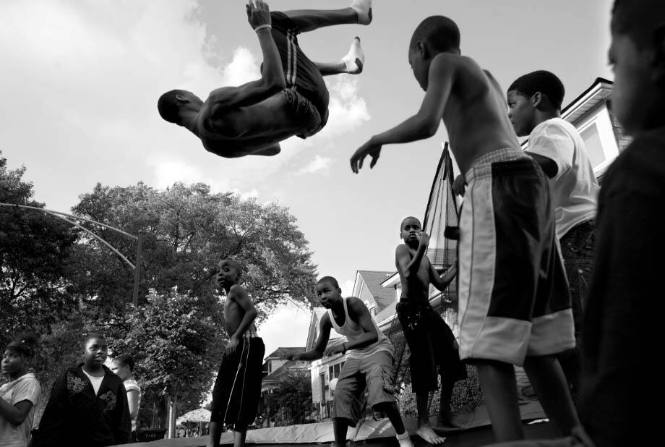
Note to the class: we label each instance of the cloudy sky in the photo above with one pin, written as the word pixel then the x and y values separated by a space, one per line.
pixel 80 80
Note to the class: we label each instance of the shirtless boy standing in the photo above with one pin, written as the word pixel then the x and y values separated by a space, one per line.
pixel 514 307
pixel 431 342
pixel 234 402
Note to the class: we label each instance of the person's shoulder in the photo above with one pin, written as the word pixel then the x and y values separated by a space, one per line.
pixel 131 385
pixel 237 289
pixel 355 303
pixel 401 249
pixel 451 61
pixel 31 380
pixel 29 384
pixel 553 126
pixel 325 319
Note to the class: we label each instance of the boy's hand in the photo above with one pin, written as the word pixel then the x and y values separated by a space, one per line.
pixel 459 185
pixel 258 13
pixel 233 343
pixel 370 148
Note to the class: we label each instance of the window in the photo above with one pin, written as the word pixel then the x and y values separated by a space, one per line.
pixel 336 370
pixel 599 140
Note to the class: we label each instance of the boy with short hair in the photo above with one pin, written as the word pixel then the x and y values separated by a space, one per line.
pixel 624 313
pixel 234 401
pixel 514 306
pixel 534 108
pixel 369 361
pixel 291 97
pixel 431 342
pixel 88 404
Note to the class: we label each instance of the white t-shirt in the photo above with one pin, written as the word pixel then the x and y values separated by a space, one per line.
pixel 25 387
pixel 132 385
pixel 575 187
pixel 95 381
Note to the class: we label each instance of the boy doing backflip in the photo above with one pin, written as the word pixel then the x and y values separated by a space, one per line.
pixel 289 99
pixel 238 386
pixel 514 307
pixel 430 340
pixel 369 361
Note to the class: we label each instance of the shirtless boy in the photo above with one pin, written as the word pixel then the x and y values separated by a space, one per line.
pixel 369 361
pixel 430 340
pixel 234 402
pixel 514 307
pixel 289 99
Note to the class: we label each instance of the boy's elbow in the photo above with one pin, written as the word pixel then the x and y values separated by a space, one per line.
pixel 429 128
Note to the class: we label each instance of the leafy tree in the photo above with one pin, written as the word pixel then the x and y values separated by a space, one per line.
pixel 291 402
pixel 176 344
pixel 35 249
pixel 186 229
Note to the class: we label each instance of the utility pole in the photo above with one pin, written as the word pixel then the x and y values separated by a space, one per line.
pixel 137 269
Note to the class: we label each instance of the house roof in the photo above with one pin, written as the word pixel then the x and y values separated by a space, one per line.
pixel 595 96
pixel 382 296
pixel 284 352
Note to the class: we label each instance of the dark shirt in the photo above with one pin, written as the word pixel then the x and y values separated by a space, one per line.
pixel 75 416
pixel 621 393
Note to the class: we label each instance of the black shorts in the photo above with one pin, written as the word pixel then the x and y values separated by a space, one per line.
pixel 237 390
pixel 431 343
pixel 301 74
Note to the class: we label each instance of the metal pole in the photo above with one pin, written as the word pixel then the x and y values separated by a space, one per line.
pixel 137 269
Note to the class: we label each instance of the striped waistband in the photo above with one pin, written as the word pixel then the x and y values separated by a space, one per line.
pixel 482 165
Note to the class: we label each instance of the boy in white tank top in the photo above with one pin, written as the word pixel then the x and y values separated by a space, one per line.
pixel 369 361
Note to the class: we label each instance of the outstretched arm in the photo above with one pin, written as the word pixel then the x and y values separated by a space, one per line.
pixel 423 124
pixel 272 74
pixel 321 342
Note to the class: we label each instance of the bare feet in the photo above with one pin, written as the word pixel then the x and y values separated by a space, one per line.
pixel 364 10
pixel 428 435
pixel 354 60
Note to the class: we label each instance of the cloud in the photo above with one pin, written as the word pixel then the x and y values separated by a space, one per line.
pixel 348 110
pixel 243 67
pixel 318 164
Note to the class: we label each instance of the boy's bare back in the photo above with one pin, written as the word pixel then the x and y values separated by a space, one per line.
pixel 475 113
